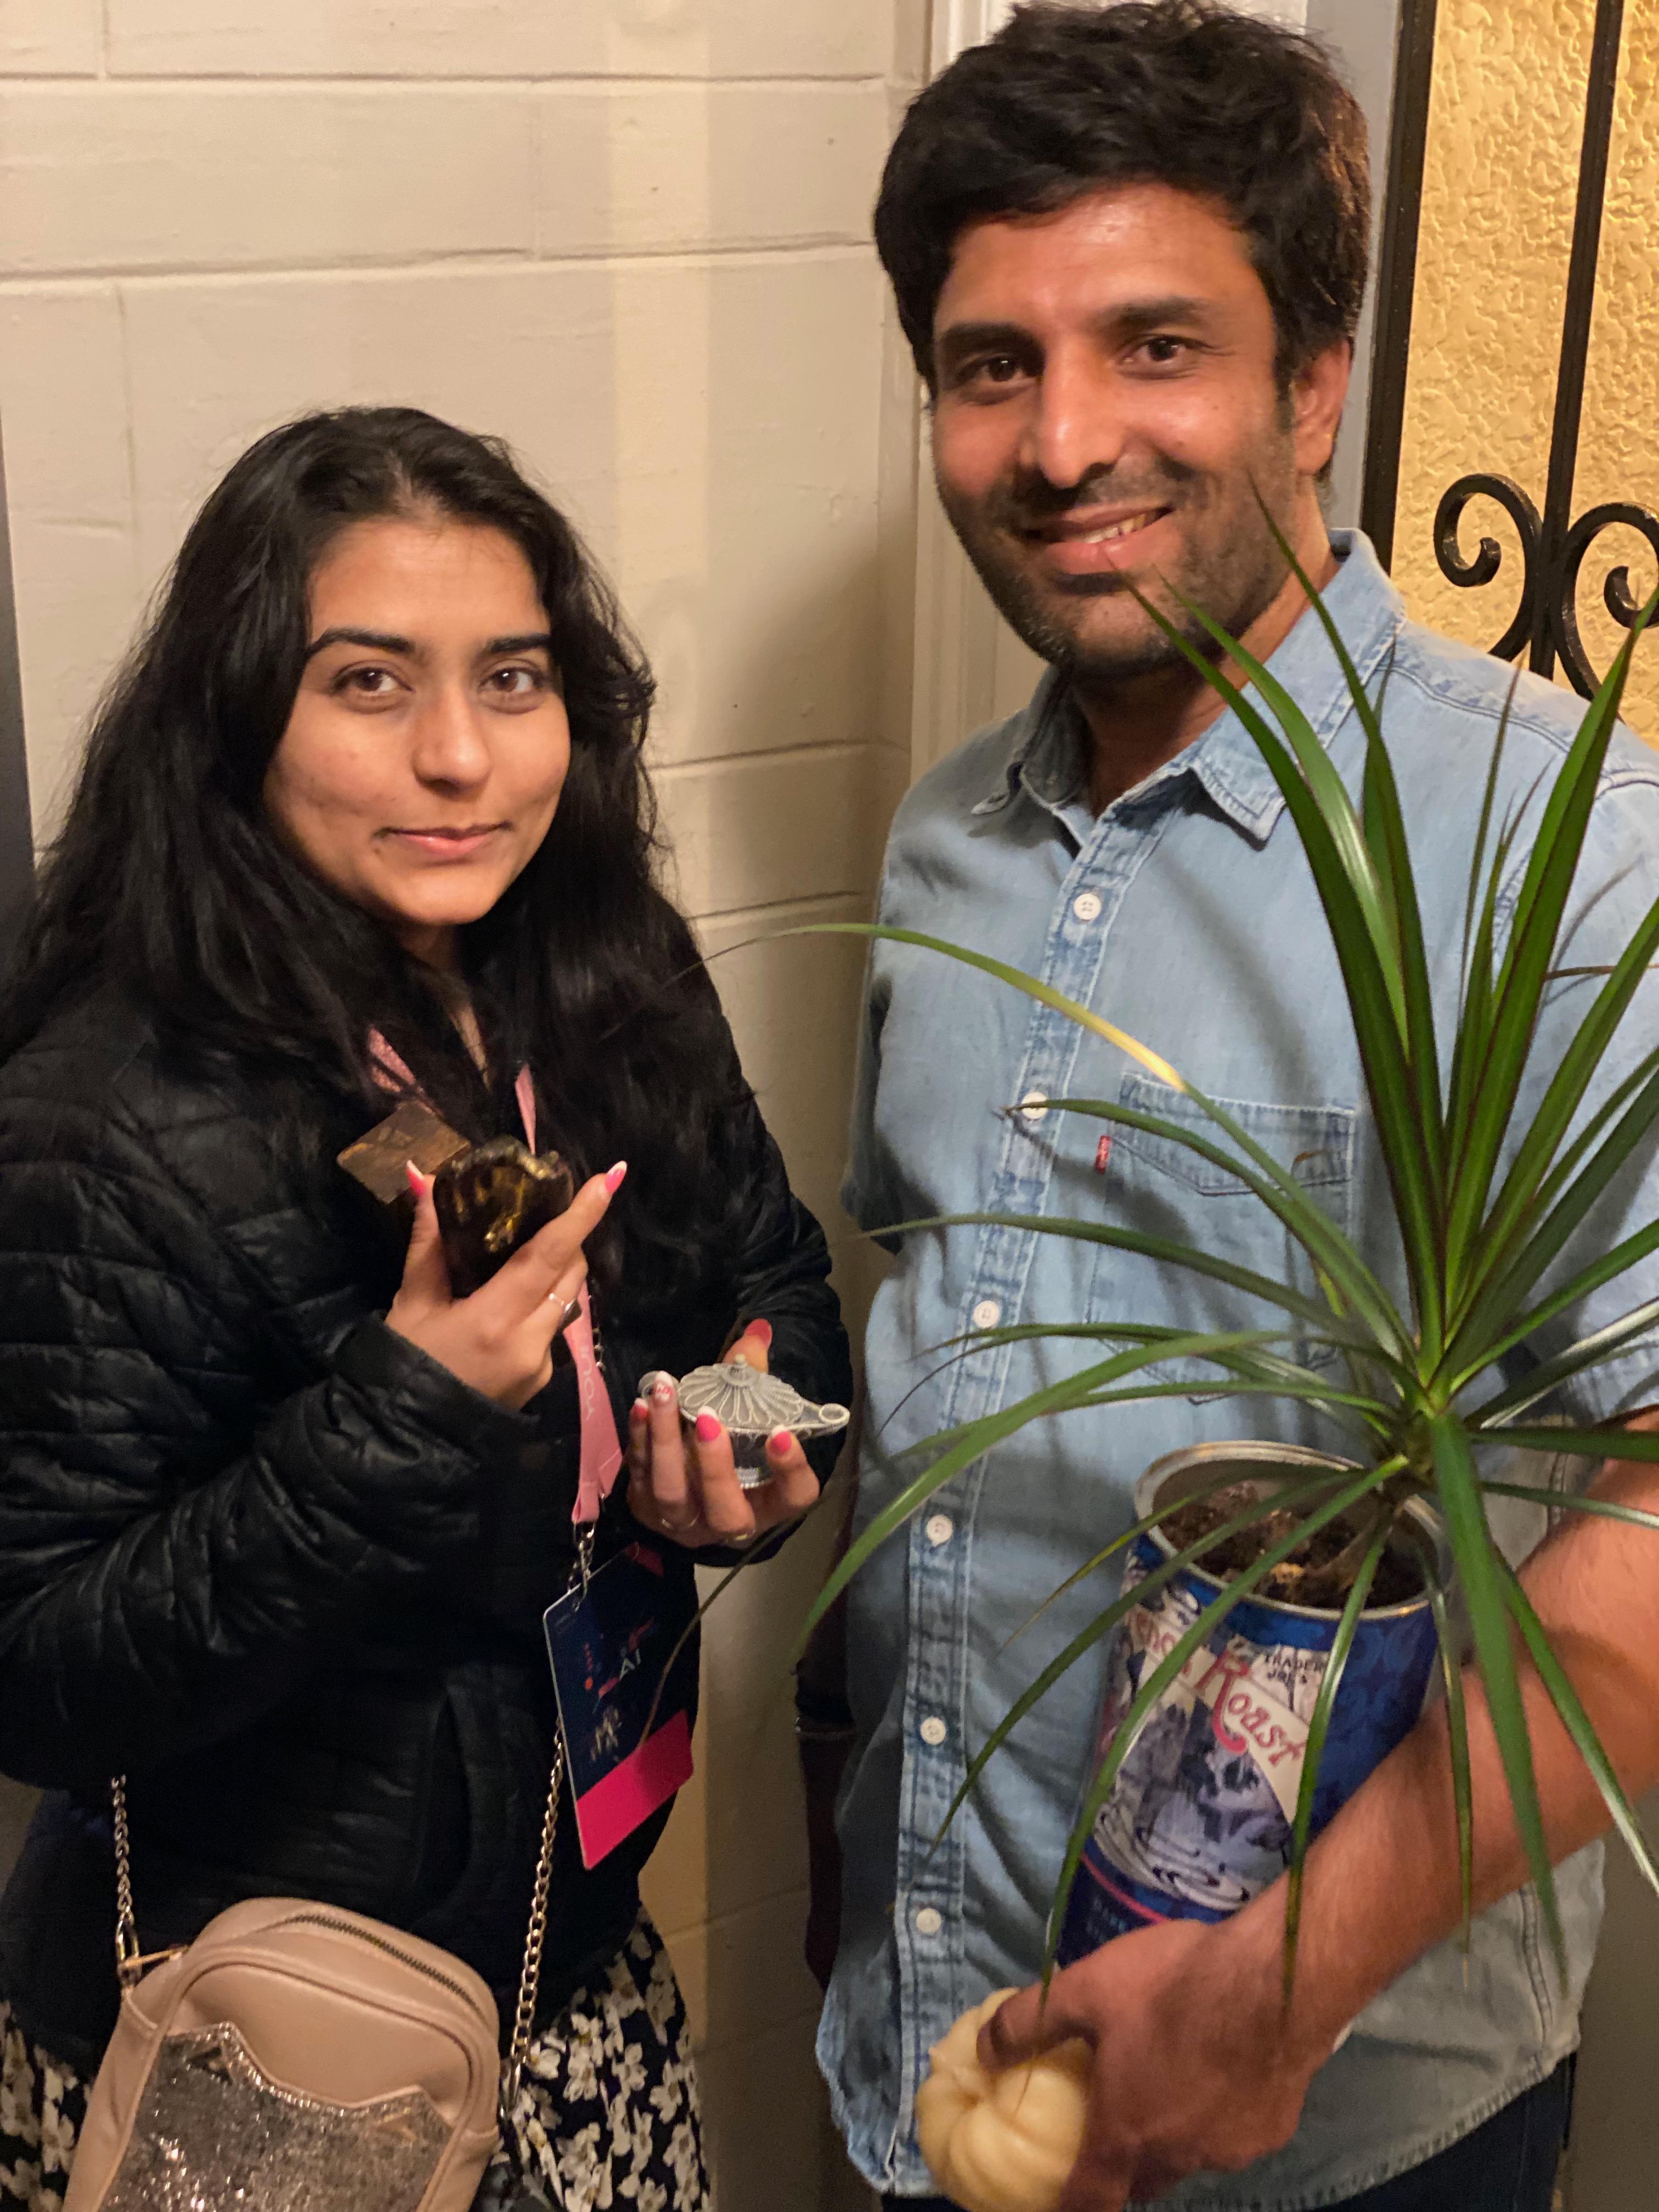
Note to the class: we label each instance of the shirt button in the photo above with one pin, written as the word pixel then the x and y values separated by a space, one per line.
pixel 1086 907
pixel 940 1529
pixel 929 1921
pixel 1034 1105
pixel 934 1730
pixel 987 1314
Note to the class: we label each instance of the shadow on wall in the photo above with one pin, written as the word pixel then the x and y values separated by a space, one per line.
pixel 17 1804
pixel 763 844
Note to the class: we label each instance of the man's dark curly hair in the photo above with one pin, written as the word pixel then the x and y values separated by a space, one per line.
pixel 1068 98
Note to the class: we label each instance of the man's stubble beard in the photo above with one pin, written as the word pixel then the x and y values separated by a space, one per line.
pixel 1235 586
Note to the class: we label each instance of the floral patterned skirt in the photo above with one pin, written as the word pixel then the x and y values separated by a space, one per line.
pixel 607 2114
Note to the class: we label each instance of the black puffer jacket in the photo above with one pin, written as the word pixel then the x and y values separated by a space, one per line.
pixel 265 1557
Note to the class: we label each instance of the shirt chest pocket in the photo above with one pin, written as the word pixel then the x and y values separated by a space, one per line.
pixel 1158 1186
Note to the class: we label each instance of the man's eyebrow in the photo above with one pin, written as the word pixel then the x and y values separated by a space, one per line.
pixel 958 338
pixel 378 641
pixel 1134 318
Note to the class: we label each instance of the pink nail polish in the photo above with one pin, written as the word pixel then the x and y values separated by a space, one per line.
pixel 663 1391
pixel 639 1412
pixel 708 1428
pixel 613 1180
pixel 760 1329
pixel 416 1180
pixel 779 1442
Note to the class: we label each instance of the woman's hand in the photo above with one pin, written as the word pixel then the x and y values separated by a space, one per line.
pixel 500 1340
pixel 687 1489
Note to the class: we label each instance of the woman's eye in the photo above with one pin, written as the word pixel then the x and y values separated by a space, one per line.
pixel 366 682
pixel 517 683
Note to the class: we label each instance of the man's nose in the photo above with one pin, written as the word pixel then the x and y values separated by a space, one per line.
pixel 450 745
pixel 1077 425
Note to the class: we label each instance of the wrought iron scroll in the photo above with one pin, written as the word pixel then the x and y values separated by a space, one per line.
pixel 1467 574
pixel 1616 595
pixel 1553 547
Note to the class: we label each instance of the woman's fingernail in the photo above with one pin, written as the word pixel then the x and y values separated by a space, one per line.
pixel 779 1442
pixel 640 1410
pixel 613 1177
pixel 762 1329
pixel 416 1180
pixel 663 1391
pixel 708 1428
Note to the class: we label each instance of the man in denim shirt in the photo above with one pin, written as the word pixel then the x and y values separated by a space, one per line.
pixel 1129 248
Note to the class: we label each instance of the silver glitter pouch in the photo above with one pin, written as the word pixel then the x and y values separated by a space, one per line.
pixel 295 2058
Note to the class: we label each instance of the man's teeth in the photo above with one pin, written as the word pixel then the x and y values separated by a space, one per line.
pixel 1124 528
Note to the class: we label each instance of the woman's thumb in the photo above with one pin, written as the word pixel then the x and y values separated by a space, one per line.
pixel 425 1270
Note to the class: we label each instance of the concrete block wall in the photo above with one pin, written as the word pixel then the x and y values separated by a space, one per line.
pixel 631 237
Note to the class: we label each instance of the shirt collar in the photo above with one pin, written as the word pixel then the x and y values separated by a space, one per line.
pixel 1226 762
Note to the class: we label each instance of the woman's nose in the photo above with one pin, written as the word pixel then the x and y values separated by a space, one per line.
pixel 450 745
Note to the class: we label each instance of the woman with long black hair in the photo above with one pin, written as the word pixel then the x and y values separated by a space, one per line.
pixel 363 822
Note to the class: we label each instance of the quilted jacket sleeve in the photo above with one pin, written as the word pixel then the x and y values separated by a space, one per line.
pixel 157 1592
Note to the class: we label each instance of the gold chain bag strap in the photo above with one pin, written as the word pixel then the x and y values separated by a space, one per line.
pixel 297 2057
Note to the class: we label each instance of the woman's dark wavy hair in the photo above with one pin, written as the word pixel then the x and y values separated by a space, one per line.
pixel 169 882
pixel 1067 99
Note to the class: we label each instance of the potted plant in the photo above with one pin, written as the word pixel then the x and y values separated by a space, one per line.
pixel 1384 1535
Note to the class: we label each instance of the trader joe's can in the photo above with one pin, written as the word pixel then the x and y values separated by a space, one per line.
pixel 1200 1817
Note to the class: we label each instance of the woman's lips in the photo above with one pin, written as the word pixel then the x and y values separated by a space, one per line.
pixel 446 844
pixel 1124 542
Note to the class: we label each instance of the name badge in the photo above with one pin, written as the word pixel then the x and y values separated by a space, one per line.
pixel 609 1644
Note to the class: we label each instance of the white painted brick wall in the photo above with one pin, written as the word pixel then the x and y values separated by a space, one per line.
pixel 630 236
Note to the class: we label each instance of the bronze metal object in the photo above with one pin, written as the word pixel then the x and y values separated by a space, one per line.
pixel 491 1200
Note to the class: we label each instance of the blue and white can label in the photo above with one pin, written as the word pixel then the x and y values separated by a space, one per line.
pixel 1200 1816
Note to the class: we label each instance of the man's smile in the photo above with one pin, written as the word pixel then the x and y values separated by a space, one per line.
pixel 1095 542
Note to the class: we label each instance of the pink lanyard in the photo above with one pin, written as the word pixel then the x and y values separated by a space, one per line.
pixel 601 1452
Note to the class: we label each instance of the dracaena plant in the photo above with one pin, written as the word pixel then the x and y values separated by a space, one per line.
pixel 1484 1207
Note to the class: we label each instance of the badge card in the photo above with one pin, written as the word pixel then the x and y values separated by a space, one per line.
pixel 609 1645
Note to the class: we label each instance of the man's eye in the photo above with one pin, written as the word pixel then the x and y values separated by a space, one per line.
pixel 994 368
pixel 1162 351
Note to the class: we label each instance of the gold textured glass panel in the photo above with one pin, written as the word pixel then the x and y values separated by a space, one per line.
pixel 1506 120
pixel 1619 448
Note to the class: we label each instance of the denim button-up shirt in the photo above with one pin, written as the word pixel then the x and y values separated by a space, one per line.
pixel 1186 915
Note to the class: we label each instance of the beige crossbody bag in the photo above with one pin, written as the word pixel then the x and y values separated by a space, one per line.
pixel 296 2057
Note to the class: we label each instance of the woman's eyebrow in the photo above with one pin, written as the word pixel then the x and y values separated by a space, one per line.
pixel 378 641
pixel 383 640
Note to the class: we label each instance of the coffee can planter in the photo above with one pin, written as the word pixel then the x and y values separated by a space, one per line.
pixel 1199 1818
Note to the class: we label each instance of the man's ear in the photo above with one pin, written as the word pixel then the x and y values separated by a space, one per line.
pixel 1317 394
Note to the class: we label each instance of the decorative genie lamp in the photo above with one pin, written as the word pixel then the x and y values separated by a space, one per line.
pixel 750 1406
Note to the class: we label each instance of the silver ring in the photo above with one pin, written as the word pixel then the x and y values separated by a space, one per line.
pixel 570 1312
